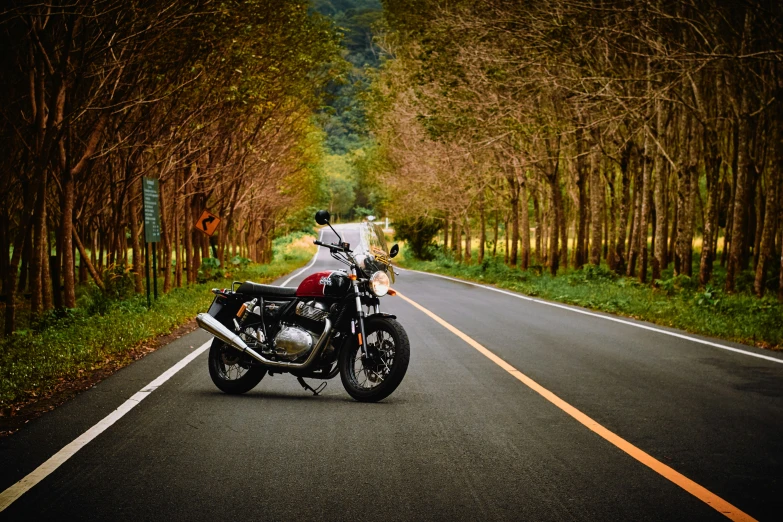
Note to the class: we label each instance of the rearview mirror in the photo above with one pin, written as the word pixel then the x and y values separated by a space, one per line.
pixel 322 217
pixel 395 249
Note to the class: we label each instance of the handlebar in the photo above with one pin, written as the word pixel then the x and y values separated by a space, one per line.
pixel 343 247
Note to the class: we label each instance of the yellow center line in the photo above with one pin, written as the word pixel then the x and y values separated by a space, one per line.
pixel 700 492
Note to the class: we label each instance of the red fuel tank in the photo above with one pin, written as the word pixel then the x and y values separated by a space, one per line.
pixel 332 283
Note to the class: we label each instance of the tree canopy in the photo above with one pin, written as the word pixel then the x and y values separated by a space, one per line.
pixel 216 100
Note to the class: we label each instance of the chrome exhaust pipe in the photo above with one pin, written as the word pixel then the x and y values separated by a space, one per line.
pixel 213 326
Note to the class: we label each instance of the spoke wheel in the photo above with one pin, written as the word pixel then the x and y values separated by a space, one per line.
pixel 374 377
pixel 231 371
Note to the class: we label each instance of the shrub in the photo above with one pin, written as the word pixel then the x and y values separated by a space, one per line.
pixel 209 270
pixel 419 234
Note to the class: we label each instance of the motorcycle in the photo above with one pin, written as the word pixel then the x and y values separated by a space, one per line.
pixel 314 331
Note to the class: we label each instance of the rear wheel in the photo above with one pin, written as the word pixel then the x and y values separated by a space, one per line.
pixel 375 377
pixel 232 371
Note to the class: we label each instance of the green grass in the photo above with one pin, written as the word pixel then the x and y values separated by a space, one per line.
pixel 62 346
pixel 673 301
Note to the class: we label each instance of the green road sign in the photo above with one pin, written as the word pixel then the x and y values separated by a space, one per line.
pixel 151 210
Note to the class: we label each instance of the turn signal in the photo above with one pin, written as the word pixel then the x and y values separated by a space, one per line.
pixel 391 291
pixel 352 277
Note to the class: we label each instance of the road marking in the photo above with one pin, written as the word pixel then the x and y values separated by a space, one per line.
pixel 311 263
pixel 662 469
pixel 10 495
pixel 608 318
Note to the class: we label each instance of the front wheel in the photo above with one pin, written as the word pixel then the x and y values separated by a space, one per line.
pixel 375 377
pixel 231 371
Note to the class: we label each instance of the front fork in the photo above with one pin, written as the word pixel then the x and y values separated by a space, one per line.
pixel 360 314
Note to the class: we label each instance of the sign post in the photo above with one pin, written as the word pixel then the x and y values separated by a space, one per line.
pixel 151 196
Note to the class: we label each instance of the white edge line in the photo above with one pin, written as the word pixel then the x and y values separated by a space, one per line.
pixel 608 318
pixel 311 263
pixel 10 495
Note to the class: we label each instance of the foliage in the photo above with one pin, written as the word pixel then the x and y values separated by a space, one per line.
pixel 209 270
pixel 610 118
pixel 343 119
pixel 419 233
pixel 214 100
pixel 676 302
pixel 84 339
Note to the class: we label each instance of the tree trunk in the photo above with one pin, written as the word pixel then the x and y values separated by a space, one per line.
pixel 5 247
pixel 513 185
pixel 563 228
pixel 165 232
pixel 682 261
pixel 38 249
pixel 468 253
pixel 446 234
pixel 659 261
pixel 94 273
pixel 743 173
pixel 525 225
pixel 712 167
pixel 538 230
pixel 555 220
pixel 13 268
pixel 622 225
pixel 675 224
pixel 580 256
pixel 740 197
pixel 633 240
pixel 505 231
pixel 758 221
pixel 82 264
pixel 767 245
pixel 47 281
pixel 179 258
pixel 455 239
pixel 596 202
pixel 645 211
pixel 483 228
pixel 66 240
pixel 611 225
pixel 495 235
pixel 133 213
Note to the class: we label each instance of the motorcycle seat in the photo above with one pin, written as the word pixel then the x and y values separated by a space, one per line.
pixel 251 288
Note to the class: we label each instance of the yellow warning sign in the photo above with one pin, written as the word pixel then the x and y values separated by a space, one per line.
pixel 207 223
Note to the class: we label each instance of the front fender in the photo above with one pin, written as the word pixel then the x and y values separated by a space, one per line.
pixel 381 314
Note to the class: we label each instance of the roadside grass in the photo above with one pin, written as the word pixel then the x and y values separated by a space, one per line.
pixel 66 345
pixel 677 302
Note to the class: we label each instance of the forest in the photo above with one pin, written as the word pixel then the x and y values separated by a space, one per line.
pixel 344 116
pixel 214 99
pixel 639 135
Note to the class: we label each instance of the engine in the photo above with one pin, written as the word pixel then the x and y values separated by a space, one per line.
pixel 294 341
pixel 297 335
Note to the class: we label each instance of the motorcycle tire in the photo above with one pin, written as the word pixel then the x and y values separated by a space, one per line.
pixel 230 372
pixel 376 380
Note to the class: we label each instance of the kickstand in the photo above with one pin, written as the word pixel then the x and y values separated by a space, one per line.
pixel 310 388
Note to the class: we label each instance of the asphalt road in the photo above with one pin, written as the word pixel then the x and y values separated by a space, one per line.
pixel 461 439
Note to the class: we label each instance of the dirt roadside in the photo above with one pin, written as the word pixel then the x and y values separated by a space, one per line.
pixel 15 416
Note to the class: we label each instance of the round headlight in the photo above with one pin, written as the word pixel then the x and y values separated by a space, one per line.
pixel 379 283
